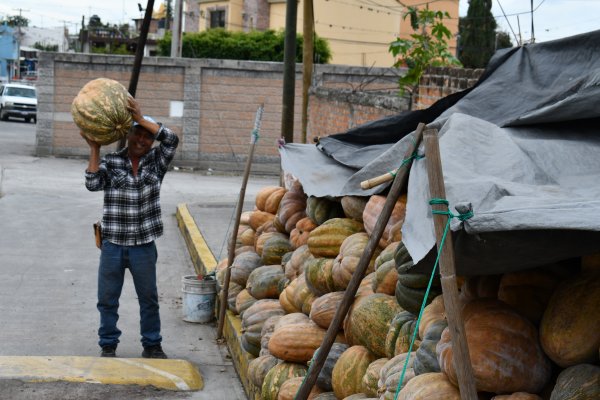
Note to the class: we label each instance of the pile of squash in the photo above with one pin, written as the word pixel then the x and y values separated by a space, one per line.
pixel 532 334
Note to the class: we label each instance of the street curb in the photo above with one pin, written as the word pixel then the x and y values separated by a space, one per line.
pixel 176 375
pixel 204 261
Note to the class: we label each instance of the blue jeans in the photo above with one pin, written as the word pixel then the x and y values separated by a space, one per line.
pixel 141 261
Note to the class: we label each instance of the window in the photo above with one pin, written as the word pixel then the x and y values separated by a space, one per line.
pixel 217 19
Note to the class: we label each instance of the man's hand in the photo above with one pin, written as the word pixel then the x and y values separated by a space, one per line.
pixel 93 145
pixel 134 109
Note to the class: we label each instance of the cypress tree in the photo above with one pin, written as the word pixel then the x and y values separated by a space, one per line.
pixel 477 34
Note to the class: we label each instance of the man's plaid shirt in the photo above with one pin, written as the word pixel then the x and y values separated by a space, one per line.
pixel 132 214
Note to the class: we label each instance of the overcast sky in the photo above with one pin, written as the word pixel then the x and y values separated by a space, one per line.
pixel 553 19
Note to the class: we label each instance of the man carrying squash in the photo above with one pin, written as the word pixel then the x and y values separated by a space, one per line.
pixel 131 179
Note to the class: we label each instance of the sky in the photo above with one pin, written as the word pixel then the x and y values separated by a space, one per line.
pixel 553 19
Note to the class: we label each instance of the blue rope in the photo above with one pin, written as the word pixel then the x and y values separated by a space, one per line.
pixel 461 217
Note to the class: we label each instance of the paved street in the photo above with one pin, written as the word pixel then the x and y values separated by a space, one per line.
pixel 48 265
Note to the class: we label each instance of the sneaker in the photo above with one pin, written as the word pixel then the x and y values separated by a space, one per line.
pixel 108 351
pixel 155 351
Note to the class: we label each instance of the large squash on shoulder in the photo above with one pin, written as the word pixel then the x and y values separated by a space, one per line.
pixel 345 263
pixel 579 382
pixel 277 376
pixel 299 235
pixel 326 240
pixel 321 209
pixel 570 327
pixel 503 348
pixel 372 212
pixel 100 111
pixel 371 319
pixel 433 385
pixel 349 370
pixel 323 308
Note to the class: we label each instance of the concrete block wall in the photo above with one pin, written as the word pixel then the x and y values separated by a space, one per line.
pixel 220 99
pixel 442 81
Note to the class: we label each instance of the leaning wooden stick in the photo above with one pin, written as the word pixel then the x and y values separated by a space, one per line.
pixel 320 357
pixel 236 225
pixel 464 370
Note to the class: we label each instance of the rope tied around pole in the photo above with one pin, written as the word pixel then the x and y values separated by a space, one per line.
pixel 406 161
pixel 461 217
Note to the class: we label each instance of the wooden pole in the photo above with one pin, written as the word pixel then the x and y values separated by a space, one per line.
pixel 307 62
pixel 139 55
pixel 289 71
pixel 236 225
pixel 462 362
pixel 357 276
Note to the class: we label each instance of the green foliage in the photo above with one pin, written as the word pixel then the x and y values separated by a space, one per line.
pixel 503 40
pixel 477 34
pixel 428 46
pixel 255 45
pixel 15 20
pixel 121 49
pixel 45 47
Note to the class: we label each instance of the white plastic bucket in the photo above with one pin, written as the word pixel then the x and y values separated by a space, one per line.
pixel 198 299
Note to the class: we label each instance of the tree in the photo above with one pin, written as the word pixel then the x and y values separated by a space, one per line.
pixel 255 45
pixel 477 34
pixel 16 20
pixel 428 46
pixel 503 40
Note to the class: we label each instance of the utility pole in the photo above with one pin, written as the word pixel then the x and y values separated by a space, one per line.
pixel 532 29
pixel 19 38
pixel 307 62
pixel 176 36
pixel 289 71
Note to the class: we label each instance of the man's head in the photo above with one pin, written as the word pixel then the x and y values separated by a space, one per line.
pixel 139 140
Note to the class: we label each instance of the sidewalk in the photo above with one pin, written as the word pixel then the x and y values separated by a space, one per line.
pixel 48 265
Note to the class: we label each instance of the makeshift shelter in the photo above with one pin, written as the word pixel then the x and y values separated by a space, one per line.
pixel 521 149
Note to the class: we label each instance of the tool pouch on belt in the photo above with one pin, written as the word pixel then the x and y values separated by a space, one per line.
pixel 98 234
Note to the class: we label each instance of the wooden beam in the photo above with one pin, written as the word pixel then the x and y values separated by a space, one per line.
pixel 462 362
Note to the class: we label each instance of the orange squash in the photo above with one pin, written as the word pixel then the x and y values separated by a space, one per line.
pixel 245 236
pixel 295 266
pixel 263 195
pixel 265 333
pixel 431 386
pixel 433 312
pixel 289 389
pixel 349 370
pixel 326 240
pixel 286 298
pixel 296 342
pixel 503 348
pixel 259 218
pixel 292 209
pixel 299 235
pixel 570 327
pixel 350 252
pixel 243 301
pixel 323 308
pixel 372 212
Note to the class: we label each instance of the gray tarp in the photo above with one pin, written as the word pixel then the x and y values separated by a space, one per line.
pixel 523 148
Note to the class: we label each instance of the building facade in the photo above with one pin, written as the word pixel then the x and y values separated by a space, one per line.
pixel 359 32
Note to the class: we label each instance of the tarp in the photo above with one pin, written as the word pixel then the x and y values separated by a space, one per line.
pixel 522 147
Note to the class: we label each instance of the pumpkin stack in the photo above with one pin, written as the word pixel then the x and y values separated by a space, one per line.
pixel 295 256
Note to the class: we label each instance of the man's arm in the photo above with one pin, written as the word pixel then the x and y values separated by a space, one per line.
pixel 95 179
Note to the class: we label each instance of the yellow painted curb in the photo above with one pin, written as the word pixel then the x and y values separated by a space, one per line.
pixel 203 259
pixel 163 374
